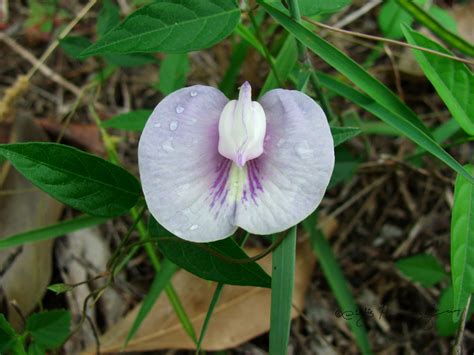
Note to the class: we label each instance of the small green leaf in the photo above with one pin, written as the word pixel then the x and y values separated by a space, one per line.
pixel 452 80
pixel 60 288
pixel 9 340
pixel 283 275
pixel 170 26
pixel 49 329
pixel 78 179
pixel 74 45
pixel 342 134
pixel 445 325
pixel 161 280
pixel 36 349
pixel 109 17
pixel 210 261
pixel 173 71
pixel 462 240
pixel 391 17
pixel 422 268
pixel 51 231
pixel 130 121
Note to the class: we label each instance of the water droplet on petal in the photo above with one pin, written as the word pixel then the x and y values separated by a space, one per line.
pixel 173 125
pixel 179 109
pixel 194 227
pixel 280 142
pixel 193 93
pixel 157 125
pixel 168 145
pixel 303 150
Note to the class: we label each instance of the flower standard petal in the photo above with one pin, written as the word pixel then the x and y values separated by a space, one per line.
pixel 183 176
pixel 287 182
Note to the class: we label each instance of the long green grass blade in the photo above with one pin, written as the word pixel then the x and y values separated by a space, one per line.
pixel 346 66
pixel 162 278
pixel 413 132
pixel 462 242
pixel 338 283
pixel 210 311
pixel 428 21
pixel 283 273
pixel 51 231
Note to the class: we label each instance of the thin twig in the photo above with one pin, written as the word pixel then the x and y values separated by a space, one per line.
pixel 457 347
pixel 387 40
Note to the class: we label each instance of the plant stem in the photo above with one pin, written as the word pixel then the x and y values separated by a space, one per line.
pixel 457 347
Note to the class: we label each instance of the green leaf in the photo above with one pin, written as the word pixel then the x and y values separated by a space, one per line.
pixel 411 131
pixel 161 280
pixel 109 17
pixel 170 26
pixel 49 329
pixel 173 71
pixel 283 274
pixel 130 60
pixel 36 349
pixel 74 45
pixel 210 261
pixel 453 81
pixel 51 231
pixel 9 340
pixel 345 167
pixel 391 17
pixel 78 179
pixel 462 240
pixel 210 310
pixel 338 283
pixel 342 134
pixel 445 325
pixel 284 63
pixel 315 7
pixel 438 29
pixel 60 288
pixel 422 268
pixel 130 121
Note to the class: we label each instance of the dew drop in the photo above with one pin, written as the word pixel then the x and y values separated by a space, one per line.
pixel 303 150
pixel 157 125
pixel 179 109
pixel 280 142
pixel 168 145
pixel 193 93
pixel 194 227
pixel 173 125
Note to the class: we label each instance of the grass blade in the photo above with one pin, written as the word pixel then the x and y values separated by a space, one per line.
pixel 210 311
pixel 283 273
pixel 428 21
pixel 416 135
pixel 51 231
pixel 162 278
pixel 338 283
pixel 462 242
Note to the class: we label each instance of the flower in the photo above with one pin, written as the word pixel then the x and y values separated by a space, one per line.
pixel 209 165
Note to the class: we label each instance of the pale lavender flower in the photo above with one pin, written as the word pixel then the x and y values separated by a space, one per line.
pixel 209 165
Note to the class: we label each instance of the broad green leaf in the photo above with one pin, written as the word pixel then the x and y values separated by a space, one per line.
pixel 346 66
pixel 342 134
pixel 173 71
pixel 130 121
pixel 453 81
pixel 109 17
pixel 391 17
pixel 338 282
pixel 170 26
pixel 462 240
pixel 160 281
pixel 314 7
pixel 51 231
pixel 437 28
pixel 36 349
pixel 283 275
pixel 130 60
pixel 210 261
pixel 284 63
pixel 74 45
pixel 445 325
pixel 9 340
pixel 408 129
pixel 49 329
pixel 78 179
pixel 422 268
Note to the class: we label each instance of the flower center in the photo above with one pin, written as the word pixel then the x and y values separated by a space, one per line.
pixel 242 127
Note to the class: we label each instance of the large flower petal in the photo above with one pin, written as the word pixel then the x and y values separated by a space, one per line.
pixel 183 176
pixel 287 182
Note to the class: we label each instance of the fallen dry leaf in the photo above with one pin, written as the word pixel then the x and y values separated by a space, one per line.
pixel 241 314
pixel 25 272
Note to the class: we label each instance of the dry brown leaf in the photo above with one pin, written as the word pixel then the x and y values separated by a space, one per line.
pixel 241 314
pixel 25 271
